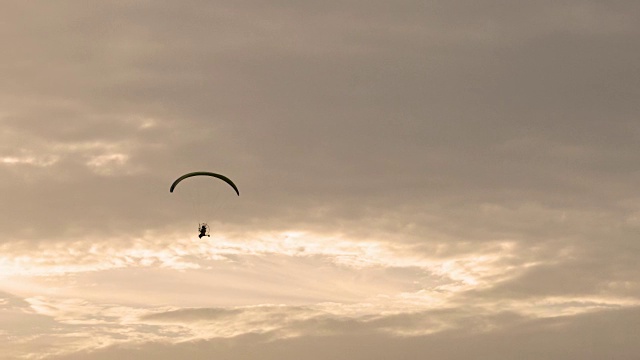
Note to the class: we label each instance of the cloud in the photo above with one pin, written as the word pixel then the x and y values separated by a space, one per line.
pixel 558 338
pixel 444 178
pixel 415 110
pixel 342 289
pixel 101 331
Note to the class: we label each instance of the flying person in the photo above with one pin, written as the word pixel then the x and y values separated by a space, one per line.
pixel 203 231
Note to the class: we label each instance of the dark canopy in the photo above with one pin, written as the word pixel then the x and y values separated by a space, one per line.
pixel 205 173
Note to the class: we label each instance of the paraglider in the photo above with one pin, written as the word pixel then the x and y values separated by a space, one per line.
pixel 203 228
pixel 205 173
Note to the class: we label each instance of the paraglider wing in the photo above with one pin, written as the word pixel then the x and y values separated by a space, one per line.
pixel 205 173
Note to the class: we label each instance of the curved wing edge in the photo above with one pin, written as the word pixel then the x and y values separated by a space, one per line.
pixel 205 173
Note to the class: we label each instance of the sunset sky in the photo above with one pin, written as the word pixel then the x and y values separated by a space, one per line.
pixel 446 179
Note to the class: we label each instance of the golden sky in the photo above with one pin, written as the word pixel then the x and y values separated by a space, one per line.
pixel 419 180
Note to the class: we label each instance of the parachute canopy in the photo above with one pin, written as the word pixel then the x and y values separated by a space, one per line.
pixel 205 173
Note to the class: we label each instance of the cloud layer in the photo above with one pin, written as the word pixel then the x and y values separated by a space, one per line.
pixel 454 179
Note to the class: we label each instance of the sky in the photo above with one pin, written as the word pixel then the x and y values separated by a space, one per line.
pixel 418 179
